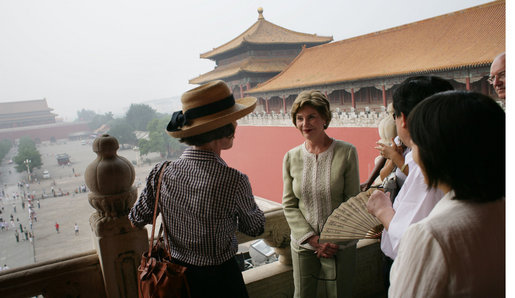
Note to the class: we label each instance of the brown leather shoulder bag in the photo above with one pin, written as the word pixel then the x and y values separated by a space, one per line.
pixel 158 276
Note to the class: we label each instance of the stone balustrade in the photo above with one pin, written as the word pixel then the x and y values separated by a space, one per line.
pixel 340 119
pixel 110 270
pixel 78 275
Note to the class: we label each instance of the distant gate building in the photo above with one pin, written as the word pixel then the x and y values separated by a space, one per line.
pixel 25 113
pixel 34 119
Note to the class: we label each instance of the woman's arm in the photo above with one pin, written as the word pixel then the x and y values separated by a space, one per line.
pixel 395 154
pixel 377 171
pixel 387 169
pixel 251 219
pixel 300 228
pixel 143 210
pixel 351 174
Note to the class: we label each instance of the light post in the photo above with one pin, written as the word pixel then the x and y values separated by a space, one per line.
pixel 27 163
pixel 33 244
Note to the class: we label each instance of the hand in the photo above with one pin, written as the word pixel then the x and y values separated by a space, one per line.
pixel 380 206
pixel 324 250
pixel 327 250
pixel 378 202
pixel 389 152
pixel 364 186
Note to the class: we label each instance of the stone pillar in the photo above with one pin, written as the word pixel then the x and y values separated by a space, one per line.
pixel 384 96
pixel 119 246
pixel 277 231
pixel 352 98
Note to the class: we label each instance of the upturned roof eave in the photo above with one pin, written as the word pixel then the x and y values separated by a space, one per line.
pixel 256 91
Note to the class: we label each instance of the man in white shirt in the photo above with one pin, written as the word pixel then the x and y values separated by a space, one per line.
pixel 414 201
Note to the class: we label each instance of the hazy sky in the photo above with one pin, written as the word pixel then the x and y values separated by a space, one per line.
pixel 105 55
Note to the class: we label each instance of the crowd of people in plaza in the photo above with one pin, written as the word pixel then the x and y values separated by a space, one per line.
pixel 14 220
pixel 444 226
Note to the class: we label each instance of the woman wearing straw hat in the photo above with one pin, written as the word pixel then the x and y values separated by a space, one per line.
pixel 318 176
pixel 203 201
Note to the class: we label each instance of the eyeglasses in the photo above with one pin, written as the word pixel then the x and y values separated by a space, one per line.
pixel 499 76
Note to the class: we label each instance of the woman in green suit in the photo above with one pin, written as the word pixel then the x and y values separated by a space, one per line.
pixel 318 176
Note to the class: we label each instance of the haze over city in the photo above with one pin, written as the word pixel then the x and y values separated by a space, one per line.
pixel 105 55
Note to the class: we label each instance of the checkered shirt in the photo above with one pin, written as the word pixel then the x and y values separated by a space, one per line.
pixel 203 202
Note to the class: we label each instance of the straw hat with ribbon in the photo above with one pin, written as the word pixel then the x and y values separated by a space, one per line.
pixel 206 108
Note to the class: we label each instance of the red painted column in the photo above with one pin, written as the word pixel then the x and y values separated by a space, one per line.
pixel 266 105
pixel 241 91
pixel 284 104
pixel 467 83
pixel 352 97
pixel 384 97
pixel 248 86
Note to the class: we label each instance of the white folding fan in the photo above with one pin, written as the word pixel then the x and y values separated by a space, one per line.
pixel 351 221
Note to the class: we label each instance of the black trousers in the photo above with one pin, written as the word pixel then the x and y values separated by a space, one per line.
pixel 387 266
pixel 224 280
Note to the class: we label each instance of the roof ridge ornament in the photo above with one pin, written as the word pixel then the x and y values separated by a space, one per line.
pixel 260 12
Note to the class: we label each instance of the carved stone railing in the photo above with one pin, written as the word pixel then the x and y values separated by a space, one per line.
pixel 274 279
pixel 110 270
pixel 339 119
pixel 75 276
pixel 119 246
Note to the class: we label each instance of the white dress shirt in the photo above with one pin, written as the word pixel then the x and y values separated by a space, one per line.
pixel 413 203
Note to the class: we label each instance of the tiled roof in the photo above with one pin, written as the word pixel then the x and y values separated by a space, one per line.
pixel 469 37
pixel 255 65
pixel 27 106
pixel 264 32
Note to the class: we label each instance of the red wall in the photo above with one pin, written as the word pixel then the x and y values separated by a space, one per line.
pixel 44 132
pixel 258 151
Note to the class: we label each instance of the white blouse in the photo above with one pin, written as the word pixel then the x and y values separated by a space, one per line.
pixel 457 251
pixel 316 190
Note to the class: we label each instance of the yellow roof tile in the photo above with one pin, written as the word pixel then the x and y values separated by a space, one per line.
pixel 468 37
pixel 255 65
pixel 264 32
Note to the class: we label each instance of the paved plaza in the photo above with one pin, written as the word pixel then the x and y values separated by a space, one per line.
pixel 65 210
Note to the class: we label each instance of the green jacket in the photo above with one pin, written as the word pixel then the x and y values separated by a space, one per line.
pixel 344 184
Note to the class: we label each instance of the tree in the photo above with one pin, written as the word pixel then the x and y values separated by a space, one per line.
pixel 123 131
pixel 5 146
pixel 100 120
pixel 85 115
pixel 159 140
pixel 139 115
pixel 27 151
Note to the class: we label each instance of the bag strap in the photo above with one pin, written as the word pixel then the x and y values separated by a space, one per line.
pixel 158 191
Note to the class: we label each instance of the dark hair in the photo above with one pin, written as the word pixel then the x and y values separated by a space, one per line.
pixel 315 99
pixel 215 134
pixel 461 142
pixel 415 89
